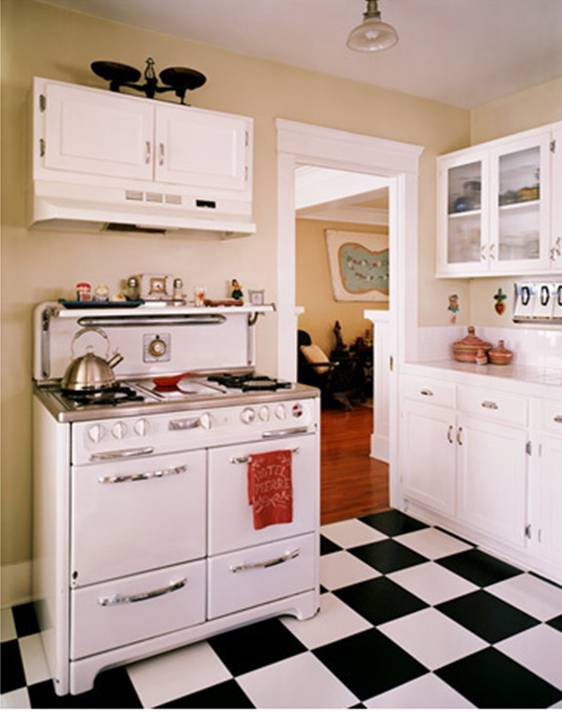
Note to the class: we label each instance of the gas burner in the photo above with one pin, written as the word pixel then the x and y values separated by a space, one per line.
pixel 248 382
pixel 109 396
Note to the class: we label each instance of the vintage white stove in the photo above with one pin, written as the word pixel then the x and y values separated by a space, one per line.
pixel 144 538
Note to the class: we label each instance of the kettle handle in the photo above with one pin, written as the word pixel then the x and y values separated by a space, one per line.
pixel 85 330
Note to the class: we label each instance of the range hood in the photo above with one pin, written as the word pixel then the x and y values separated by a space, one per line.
pixel 95 208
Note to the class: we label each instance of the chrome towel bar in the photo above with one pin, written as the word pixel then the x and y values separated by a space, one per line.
pixel 246 458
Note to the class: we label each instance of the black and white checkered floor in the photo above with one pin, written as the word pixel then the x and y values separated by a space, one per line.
pixel 410 617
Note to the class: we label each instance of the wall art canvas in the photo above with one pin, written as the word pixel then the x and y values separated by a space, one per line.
pixel 358 266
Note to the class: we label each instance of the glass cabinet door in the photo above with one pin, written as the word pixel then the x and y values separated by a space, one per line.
pixel 519 221
pixel 463 214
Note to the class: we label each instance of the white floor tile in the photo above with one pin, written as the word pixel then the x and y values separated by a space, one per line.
pixel 424 692
pixel 7 626
pixel 432 638
pixel 432 543
pixel 178 673
pixel 342 569
pixel 534 596
pixel 15 700
pixel 351 532
pixel 432 583
pixel 336 620
pixel 301 681
pixel 539 649
pixel 33 658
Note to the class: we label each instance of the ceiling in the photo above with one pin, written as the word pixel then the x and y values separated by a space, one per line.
pixel 461 52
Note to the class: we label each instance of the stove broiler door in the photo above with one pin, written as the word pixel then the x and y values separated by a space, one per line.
pixel 130 516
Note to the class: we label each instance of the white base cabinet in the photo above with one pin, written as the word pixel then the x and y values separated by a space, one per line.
pixel 546 496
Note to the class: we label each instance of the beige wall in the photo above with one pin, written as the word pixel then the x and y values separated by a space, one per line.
pixel 518 112
pixel 314 286
pixel 42 40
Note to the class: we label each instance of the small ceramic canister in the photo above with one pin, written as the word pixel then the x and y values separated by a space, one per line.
pixel 466 349
pixel 481 359
pixel 499 355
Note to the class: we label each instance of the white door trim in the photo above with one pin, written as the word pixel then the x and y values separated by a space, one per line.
pixel 331 148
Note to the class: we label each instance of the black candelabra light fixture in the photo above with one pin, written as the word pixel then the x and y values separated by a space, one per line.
pixel 177 79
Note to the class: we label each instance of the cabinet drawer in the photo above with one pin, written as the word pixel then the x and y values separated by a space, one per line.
pixel 136 515
pixel 551 417
pixel 249 577
pixel 231 523
pixel 127 610
pixel 492 404
pixel 426 390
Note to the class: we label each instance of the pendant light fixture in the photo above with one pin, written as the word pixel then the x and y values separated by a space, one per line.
pixel 372 35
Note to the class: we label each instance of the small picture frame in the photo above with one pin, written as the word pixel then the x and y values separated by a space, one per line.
pixel 256 297
pixel 155 287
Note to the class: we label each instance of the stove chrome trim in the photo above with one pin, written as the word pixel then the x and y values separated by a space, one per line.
pixel 156 320
pixel 139 476
pixel 243 459
pixel 121 454
pixel 117 599
pixel 269 434
pixel 237 568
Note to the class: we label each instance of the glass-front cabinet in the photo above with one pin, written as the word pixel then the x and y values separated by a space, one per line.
pixel 497 206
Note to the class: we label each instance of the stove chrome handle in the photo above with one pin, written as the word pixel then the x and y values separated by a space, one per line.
pixel 117 479
pixel 120 454
pixel 117 599
pixel 189 423
pixel 243 459
pixel 237 568
pixel 284 433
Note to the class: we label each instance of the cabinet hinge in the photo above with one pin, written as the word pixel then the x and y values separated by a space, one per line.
pixel 391 363
pixel 246 173
pixel 528 531
pixel 553 146
pixel 42 102
pixel 529 447
pixel 246 138
pixel 42 147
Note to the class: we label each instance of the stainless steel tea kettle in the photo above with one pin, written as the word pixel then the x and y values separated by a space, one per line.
pixel 90 372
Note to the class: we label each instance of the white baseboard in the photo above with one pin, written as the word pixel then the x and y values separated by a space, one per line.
pixel 16 583
pixel 379 447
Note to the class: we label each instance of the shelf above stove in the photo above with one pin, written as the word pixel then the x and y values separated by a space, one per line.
pixel 63 313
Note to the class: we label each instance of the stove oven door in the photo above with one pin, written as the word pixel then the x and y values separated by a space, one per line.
pixel 135 515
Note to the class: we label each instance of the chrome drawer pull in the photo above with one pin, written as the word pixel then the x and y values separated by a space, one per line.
pixel 117 599
pixel 266 564
pixel 450 434
pixel 459 436
pixel 490 404
pixel 185 424
pixel 284 433
pixel 426 392
pixel 120 454
pixel 115 479
pixel 241 460
pixel 557 418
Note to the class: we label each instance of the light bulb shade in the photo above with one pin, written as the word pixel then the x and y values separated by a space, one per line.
pixel 372 35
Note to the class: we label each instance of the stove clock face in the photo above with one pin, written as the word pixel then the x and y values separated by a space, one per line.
pixel 156 347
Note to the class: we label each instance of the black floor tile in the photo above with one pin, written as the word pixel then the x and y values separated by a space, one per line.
pixel 492 680
pixel 327 546
pixel 25 619
pixel 369 663
pixel 226 695
pixel 358 706
pixel 478 567
pixel 556 623
pixel 12 673
pixel 113 689
pixel 393 522
pixel 256 645
pixel 322 589
pixel 380 600
pixel 387 556
pixel 487 616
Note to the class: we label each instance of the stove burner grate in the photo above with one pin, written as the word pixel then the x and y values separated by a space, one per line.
pixel 249 382
pixel 109 396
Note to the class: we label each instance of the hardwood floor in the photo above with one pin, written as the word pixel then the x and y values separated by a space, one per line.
pixel 352 484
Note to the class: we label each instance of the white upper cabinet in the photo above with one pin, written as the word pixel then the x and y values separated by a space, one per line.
pixel 196 148
pixel 90 132
pixel 556 242
pixel 496 208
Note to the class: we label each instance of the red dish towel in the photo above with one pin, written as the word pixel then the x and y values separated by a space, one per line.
pixel 270 487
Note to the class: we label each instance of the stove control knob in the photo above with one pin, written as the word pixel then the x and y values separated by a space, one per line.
pixel 281 412
pixel 119 430
pixel 264 413
pixel 297 410
pixel 247 416
pixel 96 433
pixel 141 427
pixel 205 421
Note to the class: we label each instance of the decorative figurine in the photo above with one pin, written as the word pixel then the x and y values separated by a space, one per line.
pixel 101 293
pixel 200 296
pixel 454 307
pixel 500 297
pixel 236 290
pixel 83 292
pixel 132 292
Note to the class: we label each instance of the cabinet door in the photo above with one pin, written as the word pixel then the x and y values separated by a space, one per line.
pixel 556 246
pixel 520 213
pixel 462 211
pixel 428 455
pixel 201 148
pixel 491 471
pixel 547 490
pixel 103 134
